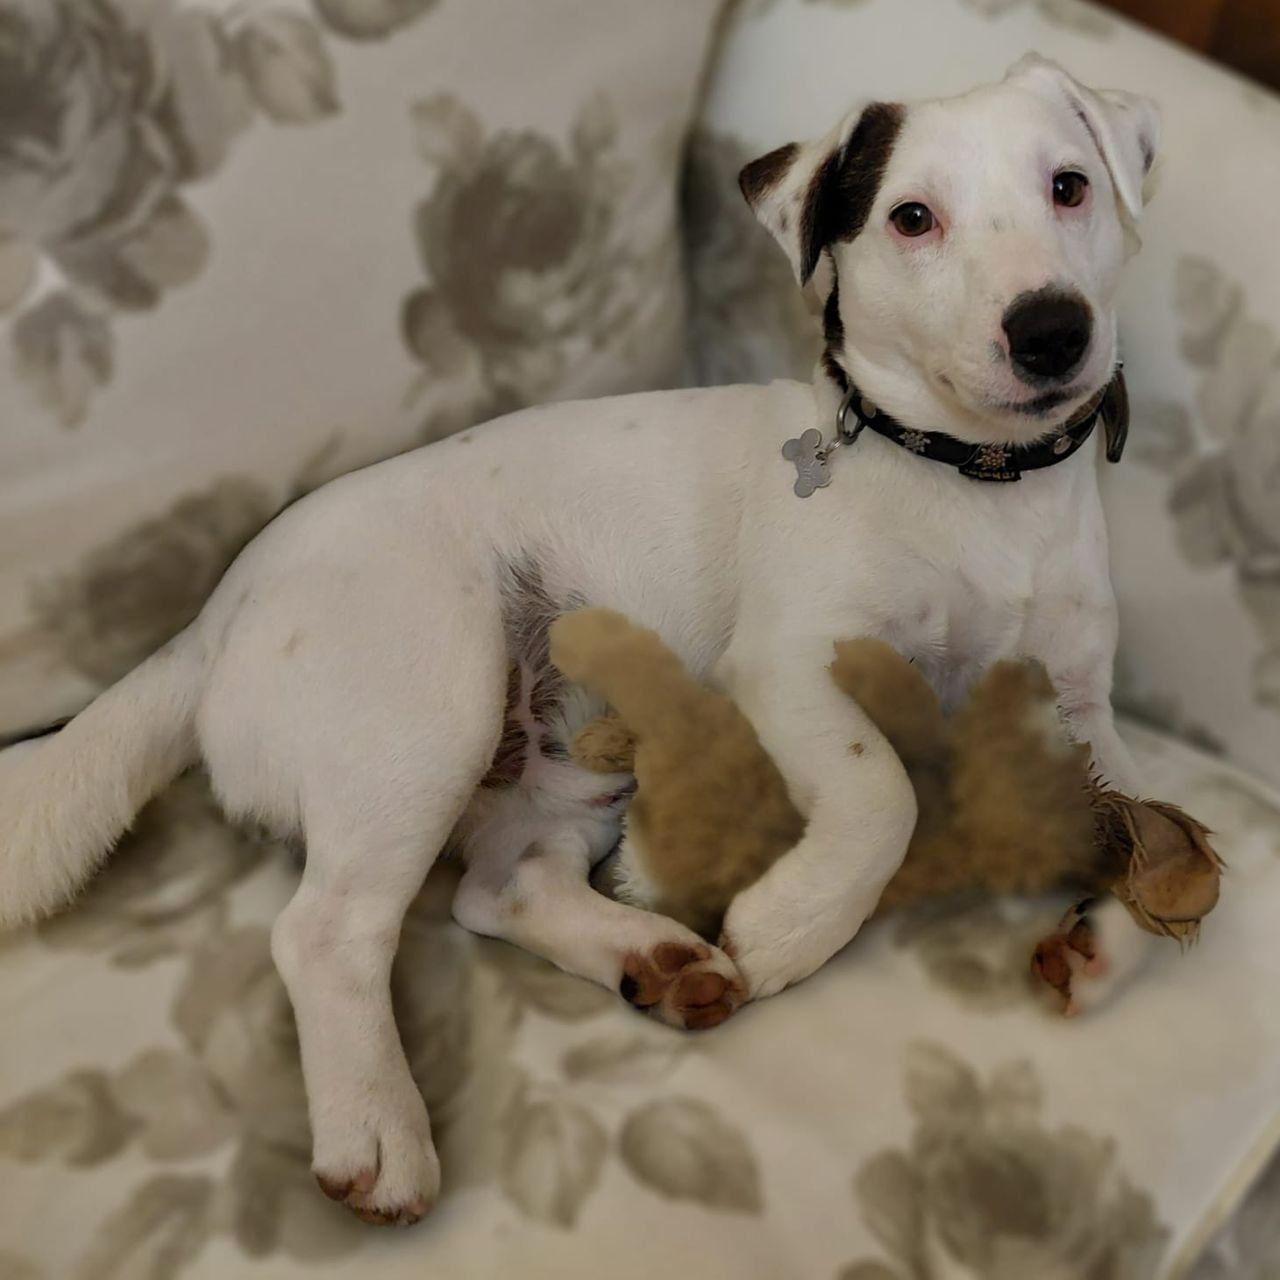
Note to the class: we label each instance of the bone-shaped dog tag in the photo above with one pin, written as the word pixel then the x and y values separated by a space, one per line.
pixel 809 458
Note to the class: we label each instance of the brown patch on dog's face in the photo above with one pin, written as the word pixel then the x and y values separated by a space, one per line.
pixel 809 198
pixel 845 187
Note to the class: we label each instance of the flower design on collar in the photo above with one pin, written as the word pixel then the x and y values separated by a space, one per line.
pixel 991 457
pixel 916 441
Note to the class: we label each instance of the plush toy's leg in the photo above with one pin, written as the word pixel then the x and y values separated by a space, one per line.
pixel 1095 951
pixel 541 900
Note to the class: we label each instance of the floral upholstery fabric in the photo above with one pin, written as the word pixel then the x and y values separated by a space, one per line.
pixel 909 1114
pixel 186 185
pixel 396 199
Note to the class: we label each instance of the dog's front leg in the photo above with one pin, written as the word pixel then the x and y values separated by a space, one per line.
pixel 1098 946
pixel 858 802
pixel 1075 638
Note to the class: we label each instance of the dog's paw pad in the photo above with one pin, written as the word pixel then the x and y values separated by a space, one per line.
pixel 385 1170
pixel 1069 965
pixel 686 985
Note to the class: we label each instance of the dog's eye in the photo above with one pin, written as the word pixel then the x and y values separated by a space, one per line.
pixel 1069 188
pixel 912 219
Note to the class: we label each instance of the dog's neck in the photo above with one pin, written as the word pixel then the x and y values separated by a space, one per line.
pixel 908 395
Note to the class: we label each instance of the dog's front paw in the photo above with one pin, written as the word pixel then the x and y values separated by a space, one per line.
pixel 691 986
pixel 383 1168
pixel 768 957
pixel 1067 964
pixel 1094 951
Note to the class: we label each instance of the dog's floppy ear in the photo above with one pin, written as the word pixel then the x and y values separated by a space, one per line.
pixel 809 195
pixel 1125 127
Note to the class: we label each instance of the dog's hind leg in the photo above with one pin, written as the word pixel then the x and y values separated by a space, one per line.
pixel 540 899
pixel 377 805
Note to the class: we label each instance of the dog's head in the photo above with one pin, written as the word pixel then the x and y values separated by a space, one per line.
pixel 968 249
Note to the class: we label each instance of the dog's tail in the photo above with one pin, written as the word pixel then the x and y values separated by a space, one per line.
pixel 627 665
pixel 66 798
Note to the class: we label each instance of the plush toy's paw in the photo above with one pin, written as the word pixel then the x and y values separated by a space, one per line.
pixel 691 986
pixel 1094 951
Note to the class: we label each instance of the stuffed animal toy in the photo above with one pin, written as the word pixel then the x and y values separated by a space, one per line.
pixel 1007 804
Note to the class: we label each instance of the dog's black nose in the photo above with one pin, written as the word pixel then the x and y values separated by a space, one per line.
pixel 1048 333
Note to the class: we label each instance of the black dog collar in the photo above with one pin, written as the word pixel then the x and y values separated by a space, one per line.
pixel 997 462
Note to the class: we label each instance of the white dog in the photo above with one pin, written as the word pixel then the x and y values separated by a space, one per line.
pixel 347 679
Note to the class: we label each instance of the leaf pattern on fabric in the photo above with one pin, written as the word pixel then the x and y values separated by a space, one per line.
pixel 76 1120
pixel 555 1151
pixel 539 986
pixel 163 890
pixel 1079 18
pixel 1163 438
pixel 15 1266
pixel 371 19
pixel 984 1188
pixel 445 130
pixel 282 57
pixel 272 1206
pixel 17 271
pixel 976 950
pixel 1225 499
pixel 684 1149
pixel 122 104
pixel 177 1106
pixel 132 594
pixel 621 1059
pixel 162 1227
pixel 63 352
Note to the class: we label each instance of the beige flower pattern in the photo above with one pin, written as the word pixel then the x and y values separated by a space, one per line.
pixel 977 951
pixel 130 595
pixel 229 1083
pixel 109 111
pixel 167 889
pixel 1224 460
pixel 526 272
pixel 1076 16
pixel 986 1188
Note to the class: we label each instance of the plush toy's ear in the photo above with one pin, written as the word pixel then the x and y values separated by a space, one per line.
pixel 809 195
pixel 1125 127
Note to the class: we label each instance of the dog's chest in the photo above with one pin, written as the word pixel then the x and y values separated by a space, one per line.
pixel 955 629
